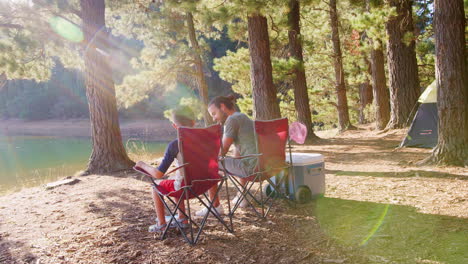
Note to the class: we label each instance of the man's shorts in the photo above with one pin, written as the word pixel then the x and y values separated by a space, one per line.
pixel 236 167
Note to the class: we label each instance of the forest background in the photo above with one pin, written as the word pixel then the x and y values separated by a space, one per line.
pixel 152 70
pixel 318 56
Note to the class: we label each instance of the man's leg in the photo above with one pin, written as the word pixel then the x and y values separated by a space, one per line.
pixel 236 168
pixel 212 192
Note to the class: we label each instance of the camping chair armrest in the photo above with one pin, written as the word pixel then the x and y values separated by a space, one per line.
pixel 165 176
pixel 275 168
pixel 241 157
pixel 175 169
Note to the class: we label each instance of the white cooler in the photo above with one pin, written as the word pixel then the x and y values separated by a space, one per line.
pixel 308 171
pixel 307 177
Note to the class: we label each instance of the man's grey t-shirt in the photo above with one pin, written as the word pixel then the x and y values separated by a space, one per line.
pixel 240 127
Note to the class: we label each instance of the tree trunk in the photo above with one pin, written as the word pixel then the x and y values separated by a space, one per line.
pixel 108 153
pixel 379 84
pixel 340 87
pixel 365 95
pixel 301 97
pixel 452 83
pixel 264 92
pixel 201 81
pixel 402 65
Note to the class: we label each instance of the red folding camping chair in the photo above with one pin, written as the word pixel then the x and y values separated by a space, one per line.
pixel 199 148
pixel 271 138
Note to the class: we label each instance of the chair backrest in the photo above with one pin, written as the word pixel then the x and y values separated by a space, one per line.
pixel 199 148
pixel 271 138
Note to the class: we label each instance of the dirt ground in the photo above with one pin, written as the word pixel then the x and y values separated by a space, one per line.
pixel 379 207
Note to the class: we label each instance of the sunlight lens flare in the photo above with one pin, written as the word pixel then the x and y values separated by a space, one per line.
pixel 376 226
pixel 66 29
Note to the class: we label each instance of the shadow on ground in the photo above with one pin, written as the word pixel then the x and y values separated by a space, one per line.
pixel 129 242
pixel 402 174
pixel 22 256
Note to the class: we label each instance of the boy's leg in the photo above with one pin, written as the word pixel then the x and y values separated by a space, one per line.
pixel 181 211
pixel 159 207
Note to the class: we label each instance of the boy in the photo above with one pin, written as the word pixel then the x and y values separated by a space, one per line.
pixel 181 116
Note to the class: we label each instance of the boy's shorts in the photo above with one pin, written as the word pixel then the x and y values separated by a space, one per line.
pixel 167 188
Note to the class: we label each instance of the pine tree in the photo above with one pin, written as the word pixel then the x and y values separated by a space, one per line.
pixel 340 86
pixel 46 33
pixel 264 92
pixel 200 75
pixel 379 83
pixel 299 83
pixel 108 153
pixel 173 50
pixel 452 83
pixel 402 64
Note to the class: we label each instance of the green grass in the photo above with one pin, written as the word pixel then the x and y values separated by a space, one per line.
pixel 395 233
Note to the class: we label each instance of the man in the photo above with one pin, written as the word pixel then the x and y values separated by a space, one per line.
pixel 238 129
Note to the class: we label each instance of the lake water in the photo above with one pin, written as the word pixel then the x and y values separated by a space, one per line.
pixel 27 161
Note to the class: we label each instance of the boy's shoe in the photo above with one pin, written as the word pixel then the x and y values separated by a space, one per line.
pixel 243 203
pixel 218 210
pixel 156 228
pixel 160 228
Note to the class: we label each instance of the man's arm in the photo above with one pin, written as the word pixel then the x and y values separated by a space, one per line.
pixel 227 142
pixel 236 153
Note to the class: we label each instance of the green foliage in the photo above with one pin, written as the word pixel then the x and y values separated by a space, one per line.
pixel 425 55
pixel 28 47
pixel 373 23
pixel 63 96
pixel 160 74
pixel 369 113
pixel 193 103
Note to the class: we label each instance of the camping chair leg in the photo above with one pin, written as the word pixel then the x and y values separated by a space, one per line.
pixel 277 189
pixel 173 215
pixel 229 203
pixel 210 207
pixel 244 190
pixel 293 181
pixel 184 213
pixel 189 213
pixel 261 198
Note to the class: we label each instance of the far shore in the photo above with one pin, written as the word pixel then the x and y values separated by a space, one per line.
pixel 145 129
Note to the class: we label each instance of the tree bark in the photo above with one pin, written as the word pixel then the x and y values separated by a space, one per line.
pixel 264 92
pixel 340 87
pixel 299 82
pixel 201 80
pixel 402 65
pixel 380 90
pixel 108 154
pixel 365 95
pixel 452 83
